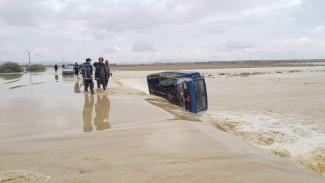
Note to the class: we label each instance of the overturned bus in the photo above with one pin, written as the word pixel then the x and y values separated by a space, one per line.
pixel 186 89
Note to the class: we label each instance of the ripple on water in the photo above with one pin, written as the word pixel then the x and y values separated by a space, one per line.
pixel 289 138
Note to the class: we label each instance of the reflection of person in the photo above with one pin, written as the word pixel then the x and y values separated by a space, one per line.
pixel 100 73
pixel 87 74
pixel 56 78
pixel 102 108
pixel 56 67
pixel 77 86
pixel 87 113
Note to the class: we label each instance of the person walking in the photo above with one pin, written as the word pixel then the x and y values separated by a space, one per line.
pixel 108 74
pixel 76 69
pixel 101 73
pixel 87 75
pixel 56 67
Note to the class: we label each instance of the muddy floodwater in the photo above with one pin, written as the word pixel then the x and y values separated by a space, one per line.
pixel 49 105
pixel 260 123
pixel 281 110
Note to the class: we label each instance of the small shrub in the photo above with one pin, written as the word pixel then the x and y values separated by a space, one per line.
pixel 10 76
pixel 36 68
pixel 10 67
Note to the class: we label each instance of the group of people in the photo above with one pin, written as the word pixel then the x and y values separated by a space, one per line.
pixel 102 74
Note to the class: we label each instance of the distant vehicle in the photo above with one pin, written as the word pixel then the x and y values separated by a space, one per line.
pixel 68 77
pixel 67 69
pixel 183 88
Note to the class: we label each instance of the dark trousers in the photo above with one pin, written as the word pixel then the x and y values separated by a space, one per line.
pixel 89 83
pixel 101 81
pixel 106 80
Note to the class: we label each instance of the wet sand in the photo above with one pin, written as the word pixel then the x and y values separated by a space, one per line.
pixel 50 131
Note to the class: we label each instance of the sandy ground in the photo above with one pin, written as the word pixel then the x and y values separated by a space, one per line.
pixel 50 131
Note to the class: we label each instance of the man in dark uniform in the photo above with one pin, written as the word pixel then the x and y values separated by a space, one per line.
pixel 76 69
pixel 87 75
pixel 56 67
pixel 100 73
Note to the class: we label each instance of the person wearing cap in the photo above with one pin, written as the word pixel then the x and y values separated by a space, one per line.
pixel 87 75
pixel 100 73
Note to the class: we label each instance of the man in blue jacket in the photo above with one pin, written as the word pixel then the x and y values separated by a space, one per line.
pixel 100 73
pixel 87 75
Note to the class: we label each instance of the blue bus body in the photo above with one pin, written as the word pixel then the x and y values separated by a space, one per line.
pixel 186 89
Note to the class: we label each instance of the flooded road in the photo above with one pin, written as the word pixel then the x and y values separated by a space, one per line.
pixel 281 110
pixel 52 105
pixel 52 131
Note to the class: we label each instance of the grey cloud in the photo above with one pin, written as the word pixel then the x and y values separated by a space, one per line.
pixel 115 15
pixel 142 46
pixel 237 45
pixel 125 29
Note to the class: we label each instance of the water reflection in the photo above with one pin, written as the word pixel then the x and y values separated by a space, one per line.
pixel 77 86
pixel 10 76
pixel 100 111
pixel 87 112
pixel 67 77
pixel 31 83
pixel 56 77
pixel 13 81
pixel 102 108
pixel 176 111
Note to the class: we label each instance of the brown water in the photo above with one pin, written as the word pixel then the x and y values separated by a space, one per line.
pixel 281 110
pixel 51 105
pixel 50 130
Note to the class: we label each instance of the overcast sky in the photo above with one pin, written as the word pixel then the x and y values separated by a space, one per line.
pixel 143 31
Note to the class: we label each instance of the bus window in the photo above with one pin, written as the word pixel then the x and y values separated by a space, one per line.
pixel 187 98
pixel 180 95
pixel 201 94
